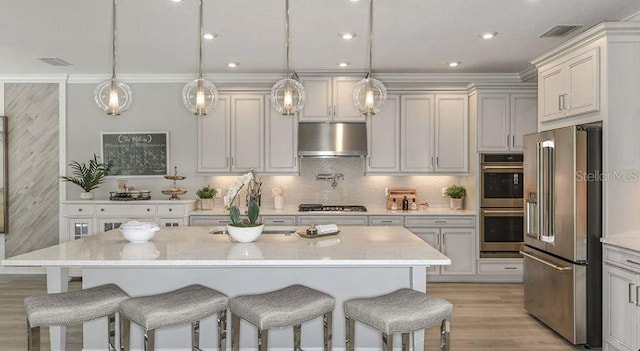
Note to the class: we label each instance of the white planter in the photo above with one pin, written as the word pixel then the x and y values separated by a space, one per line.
pixel 244 234
pixel 456 204
pixel 206 204
pixel 87 196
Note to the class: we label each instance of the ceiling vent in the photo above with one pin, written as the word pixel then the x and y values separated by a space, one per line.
pixel 55 61
pixel 560 31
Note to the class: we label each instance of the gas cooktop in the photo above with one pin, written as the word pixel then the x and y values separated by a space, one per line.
pixel 334 208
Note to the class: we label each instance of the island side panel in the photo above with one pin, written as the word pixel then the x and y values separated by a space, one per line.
pixel 57 281
pixel 419 283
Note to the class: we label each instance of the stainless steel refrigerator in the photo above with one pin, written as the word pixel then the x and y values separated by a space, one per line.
pixel 563 225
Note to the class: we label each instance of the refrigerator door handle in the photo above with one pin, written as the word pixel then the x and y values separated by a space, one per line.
pixel 557 268
pixel 546 189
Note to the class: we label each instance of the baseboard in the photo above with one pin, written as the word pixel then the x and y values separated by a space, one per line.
pixel 22 270
pixel 480 278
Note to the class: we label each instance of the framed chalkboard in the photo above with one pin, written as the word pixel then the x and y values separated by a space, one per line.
pixel 136 153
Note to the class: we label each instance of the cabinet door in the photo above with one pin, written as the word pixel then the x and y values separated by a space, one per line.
pixel 79 228
pixel 493 122
pixel 281 142
pixel 318 105
pixel 384 138
pixel 551 86
pixel 344 110
pixel 213 138
pixel 170 222
pixel 619 308
pixel 247 130
pixel 416 133
pixel 583 83
pixel 524 118
pixel 452 133
pixel 106 224
pixel 459 245
pixel 432 237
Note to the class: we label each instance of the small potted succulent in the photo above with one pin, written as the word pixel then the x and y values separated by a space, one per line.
pixel 248 229
pixel 456 194
pixel 87 176
pixel 206 195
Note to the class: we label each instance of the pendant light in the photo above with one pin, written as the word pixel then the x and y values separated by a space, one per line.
pixel 112 95
pixel 369 95
pixel 200 95
pixel 287 94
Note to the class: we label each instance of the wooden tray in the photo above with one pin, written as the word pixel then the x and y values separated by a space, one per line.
pixel 305 235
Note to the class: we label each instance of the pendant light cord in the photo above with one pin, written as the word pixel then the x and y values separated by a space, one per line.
pixel 113 41
pixel 286 42
pixel 200 41
pixel 370 36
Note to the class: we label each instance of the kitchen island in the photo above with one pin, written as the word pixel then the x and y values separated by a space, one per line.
pixel 359 261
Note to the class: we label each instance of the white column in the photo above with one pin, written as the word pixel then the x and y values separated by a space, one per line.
pixel 57 281
pixel 419 283
pixel 2 238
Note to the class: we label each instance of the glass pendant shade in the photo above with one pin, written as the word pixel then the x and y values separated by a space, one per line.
pixel 369 96
pixel 113 96
pixel 287 96
pixel 199 96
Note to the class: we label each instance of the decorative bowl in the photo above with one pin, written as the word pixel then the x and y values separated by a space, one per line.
pixel 244 234
pixel 138 232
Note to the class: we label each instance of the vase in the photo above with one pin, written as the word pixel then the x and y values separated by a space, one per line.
pixel 456 204
pixel 206 204
pixel 278 202
pixel 87 195
pixel 244 234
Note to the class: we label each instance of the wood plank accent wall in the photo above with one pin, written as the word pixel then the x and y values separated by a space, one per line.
pixel 32 118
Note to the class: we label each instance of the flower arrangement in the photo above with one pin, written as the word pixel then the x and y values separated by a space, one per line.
pixel 253 194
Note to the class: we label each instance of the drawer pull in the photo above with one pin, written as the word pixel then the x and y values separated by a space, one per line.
pixel 631 294
pixel 224 222
pixel 386 221
pixel 441 222
pixel 278 221
pixel 510 268
pixel 633 262
pixel 557 268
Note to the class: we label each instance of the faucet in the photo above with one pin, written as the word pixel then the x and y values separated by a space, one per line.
pixel 333 177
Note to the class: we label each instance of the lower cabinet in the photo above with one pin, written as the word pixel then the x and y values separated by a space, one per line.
pixel 620 301
pixel 339 220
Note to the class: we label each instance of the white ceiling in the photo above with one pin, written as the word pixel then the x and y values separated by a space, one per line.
pixel 159 36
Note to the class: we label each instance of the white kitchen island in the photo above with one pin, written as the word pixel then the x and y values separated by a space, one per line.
pixel 360 261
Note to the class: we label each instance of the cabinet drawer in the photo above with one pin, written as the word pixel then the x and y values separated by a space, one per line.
pixel 339 220
pixel 630 260
pixel 170 210
pixel 80 210
pixel 498 267
pixel 129 211
pixel 209 220
pixel 279 220
pixel 386 220
pixel 440 222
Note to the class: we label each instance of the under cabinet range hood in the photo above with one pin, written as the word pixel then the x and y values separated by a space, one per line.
pixel 332 139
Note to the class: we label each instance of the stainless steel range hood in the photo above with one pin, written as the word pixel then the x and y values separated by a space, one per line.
pixel 332 139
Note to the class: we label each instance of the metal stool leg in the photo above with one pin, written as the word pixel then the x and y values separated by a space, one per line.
pixel 222 330
pixel 387 342
pixel 263 340
pixel 33 338
pixel 150 340
pixel 125 333
pixel 350 331
pixel 327 323
pixel 296 337
pixel 111 320
pixel 445 329
pixel 405 341
pixel 235 333
pixel 195 336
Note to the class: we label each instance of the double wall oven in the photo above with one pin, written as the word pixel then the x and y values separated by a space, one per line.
pixel 501 205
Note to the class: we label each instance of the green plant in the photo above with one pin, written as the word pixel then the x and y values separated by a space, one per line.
pixel 206 192
pixel 455 191
pixel 88 177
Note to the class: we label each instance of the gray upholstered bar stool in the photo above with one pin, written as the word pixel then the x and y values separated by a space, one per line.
pixel 287 307
pixel 62 309
pixel 401 311
pixel 185 305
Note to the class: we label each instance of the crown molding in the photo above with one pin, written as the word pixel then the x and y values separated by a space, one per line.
pixel 528 73
pixel 496 87
pixel 32 78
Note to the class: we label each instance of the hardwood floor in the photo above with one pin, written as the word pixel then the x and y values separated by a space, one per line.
pixel 485 317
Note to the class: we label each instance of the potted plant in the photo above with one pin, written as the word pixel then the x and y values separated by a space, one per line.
pixel 456 193
pixel 248 229
pixel 87 176
pixel 206 195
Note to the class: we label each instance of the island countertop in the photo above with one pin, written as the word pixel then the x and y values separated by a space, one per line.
pixel 431 211
pixel 195 246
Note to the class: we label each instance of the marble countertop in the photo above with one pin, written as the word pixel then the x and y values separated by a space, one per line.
pixel 196 247
pixel 131 202
pixel 629 241
pixel 370 212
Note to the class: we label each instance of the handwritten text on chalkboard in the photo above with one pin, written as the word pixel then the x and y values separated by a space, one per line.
pixel 136 153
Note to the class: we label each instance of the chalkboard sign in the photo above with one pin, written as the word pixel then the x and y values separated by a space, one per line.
pixel 136 153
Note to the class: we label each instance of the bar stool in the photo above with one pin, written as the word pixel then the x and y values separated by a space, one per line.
pixel 401 311
pixel 185 305
pixel 287 307
pixel 62 309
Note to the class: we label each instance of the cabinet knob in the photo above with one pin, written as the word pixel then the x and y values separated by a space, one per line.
pixel 79 210
pixel 171 209
pixel 148 210
pixel 102 210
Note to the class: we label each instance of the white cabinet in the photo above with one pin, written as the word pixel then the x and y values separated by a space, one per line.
pixel 620 305
pixel 231 137
pixel 281 142
pixel 383 154
pixel 434 133
pixel 279 220
pixel 339 220
pixel 329 99
pixel 570 86
pixel 209 220
pixel 432 237
pixel 79 227
pixel 503 119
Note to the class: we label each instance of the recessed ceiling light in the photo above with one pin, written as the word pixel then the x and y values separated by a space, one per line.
pixel 209 36
pixel 233 64
pixel 347 36
pixel 344 64
pixel 354 0
pixel 488 35
pixel 454 64
pixel 176 0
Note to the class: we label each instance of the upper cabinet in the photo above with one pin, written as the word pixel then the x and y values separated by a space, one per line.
pixel 329 99
pixel 383 129
pixel 281 142
pixel 503 119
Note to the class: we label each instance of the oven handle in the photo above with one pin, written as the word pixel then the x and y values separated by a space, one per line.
pixel 503 212
pixel 558 268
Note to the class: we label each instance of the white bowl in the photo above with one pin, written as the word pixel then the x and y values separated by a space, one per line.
pixel 244 234
pixel 135 225
pixel 139 235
